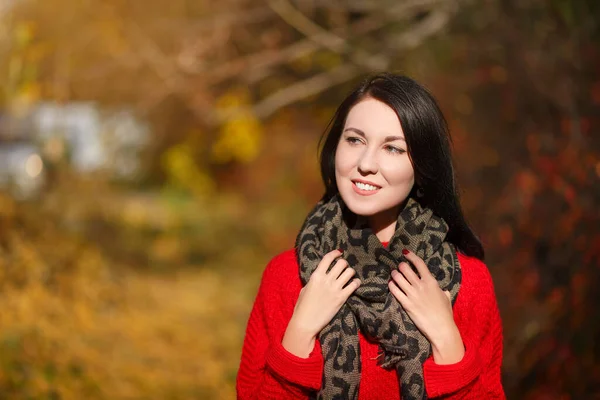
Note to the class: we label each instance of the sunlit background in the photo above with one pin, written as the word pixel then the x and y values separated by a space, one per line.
pixel 154 155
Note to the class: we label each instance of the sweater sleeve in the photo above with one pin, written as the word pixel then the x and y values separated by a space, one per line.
pixel 267 370
pixel 477 375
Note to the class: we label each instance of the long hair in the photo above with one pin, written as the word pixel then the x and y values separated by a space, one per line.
pixel 429 148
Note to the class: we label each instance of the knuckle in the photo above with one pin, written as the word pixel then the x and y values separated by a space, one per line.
pixel 327 258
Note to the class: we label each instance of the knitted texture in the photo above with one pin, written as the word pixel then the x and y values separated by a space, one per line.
pixel 268 371
pixel 372 308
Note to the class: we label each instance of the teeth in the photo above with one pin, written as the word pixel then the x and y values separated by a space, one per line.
pixel 364 186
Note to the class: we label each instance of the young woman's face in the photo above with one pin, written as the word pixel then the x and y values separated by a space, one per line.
pixel 373 171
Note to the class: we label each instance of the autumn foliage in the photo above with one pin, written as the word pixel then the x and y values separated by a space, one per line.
pixel 142 288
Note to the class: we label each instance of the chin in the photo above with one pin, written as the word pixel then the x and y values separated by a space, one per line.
pixel 370 207
pixel 363 211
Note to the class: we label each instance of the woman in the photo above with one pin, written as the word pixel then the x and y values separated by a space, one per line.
pixel 385 295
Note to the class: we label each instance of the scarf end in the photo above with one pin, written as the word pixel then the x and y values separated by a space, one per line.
pixel 389 358
pixel 386 359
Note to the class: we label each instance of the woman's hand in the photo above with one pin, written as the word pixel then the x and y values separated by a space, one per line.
pixel 429 308
pixel 318 302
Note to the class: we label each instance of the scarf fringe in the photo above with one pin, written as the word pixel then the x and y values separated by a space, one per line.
pixel 389 358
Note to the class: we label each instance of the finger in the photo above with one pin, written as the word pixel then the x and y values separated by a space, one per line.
pixel 418 263
pixel 398 294
pixel 352 286
pixel 338 267
pixel 326 261
pixel 409 274
pixel 345 276
pixel 401 281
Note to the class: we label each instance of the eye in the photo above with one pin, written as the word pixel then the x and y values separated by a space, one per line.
pixel 353 140
pixel 394 150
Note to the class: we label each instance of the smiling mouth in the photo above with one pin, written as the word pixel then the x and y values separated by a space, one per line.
pixel 366 186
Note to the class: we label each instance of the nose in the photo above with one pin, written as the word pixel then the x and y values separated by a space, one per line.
pixel 367 164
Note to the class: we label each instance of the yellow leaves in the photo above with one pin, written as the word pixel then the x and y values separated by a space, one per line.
pixel 321 60
pixel 233 99
pixel 239 140
pixel 7 206
pixel 182 170
pixel 22 84
pixel 134 214
pixel 166 249
pixel 303 64
pixel 328 60
pixel 28 93
pixel 80 333
pixel 162 338
pixel 24 33
pixel 240 137
pixel 111 36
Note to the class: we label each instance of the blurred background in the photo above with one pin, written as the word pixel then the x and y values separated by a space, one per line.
pixel 155 155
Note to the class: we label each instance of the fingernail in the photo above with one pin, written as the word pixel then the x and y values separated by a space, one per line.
pixel 405 252
pixel 341 250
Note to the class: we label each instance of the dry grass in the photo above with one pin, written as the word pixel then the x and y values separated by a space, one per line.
pixel 76 325
pixel 173 337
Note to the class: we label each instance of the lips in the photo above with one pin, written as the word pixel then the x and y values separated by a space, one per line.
pixel 365 188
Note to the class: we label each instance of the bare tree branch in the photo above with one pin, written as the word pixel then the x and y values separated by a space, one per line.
pixel 189 74
pixel 311 30
pixel 306 88
pixel 323 37
pixel 431 25
pixel 257 64
pixel 435 22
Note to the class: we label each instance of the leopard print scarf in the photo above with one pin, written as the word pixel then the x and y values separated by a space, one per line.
pixel 372 308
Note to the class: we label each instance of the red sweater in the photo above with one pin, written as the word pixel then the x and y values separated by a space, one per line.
pixel 268 371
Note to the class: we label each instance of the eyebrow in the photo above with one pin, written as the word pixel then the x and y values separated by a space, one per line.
pixel 387 138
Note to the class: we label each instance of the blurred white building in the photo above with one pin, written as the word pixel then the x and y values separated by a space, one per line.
pixel 87 138
pixel 111 140
pixel 21 169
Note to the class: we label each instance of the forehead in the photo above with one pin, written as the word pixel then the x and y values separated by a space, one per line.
pixel 373 117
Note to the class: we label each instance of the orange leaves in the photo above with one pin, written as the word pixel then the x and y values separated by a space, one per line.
pixel 527 181
pixel 505 235
pixel 595 93
pixel 570 126
pixel 527 185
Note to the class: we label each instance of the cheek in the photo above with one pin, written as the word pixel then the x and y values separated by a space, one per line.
pixel 343 161
pixel 401 173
